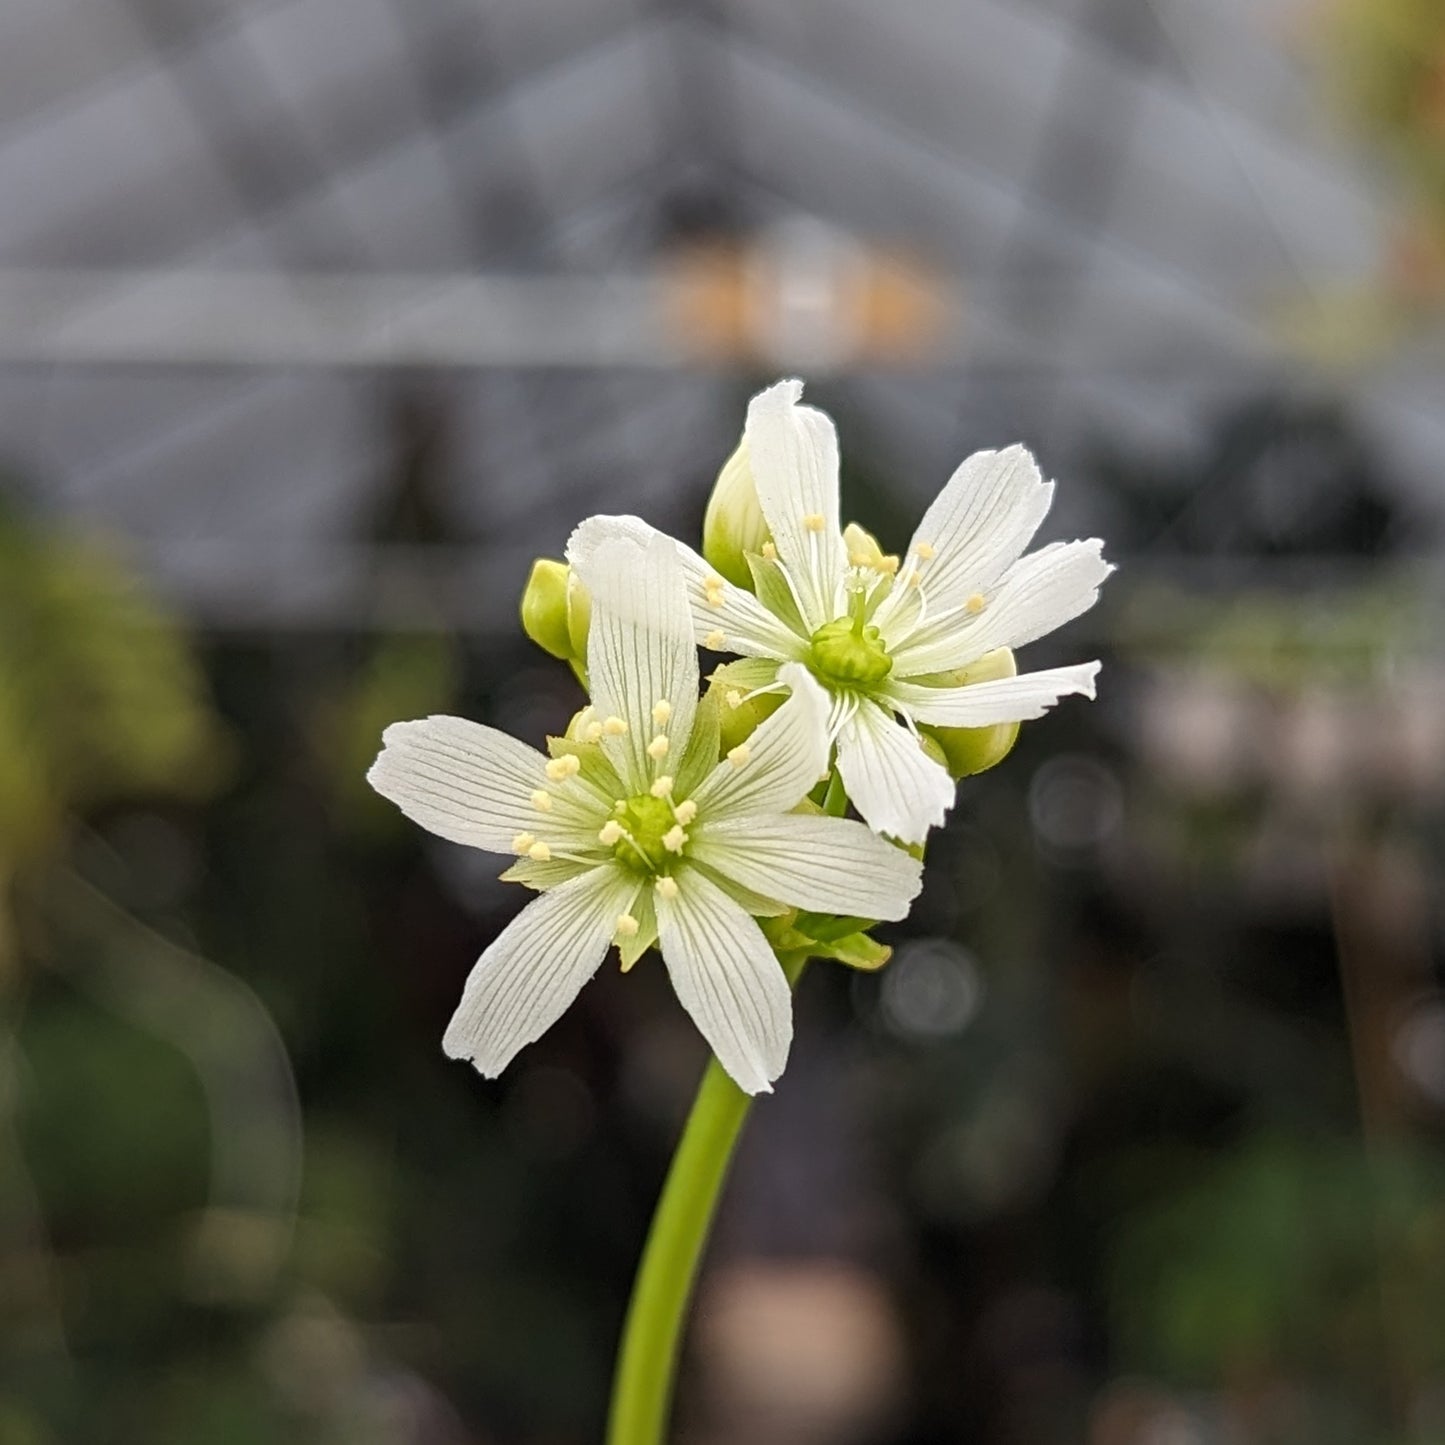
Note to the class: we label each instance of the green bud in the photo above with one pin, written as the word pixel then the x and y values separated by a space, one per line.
pixel 734 524
pixel 739 716
pixel 967 751
pixel 556 611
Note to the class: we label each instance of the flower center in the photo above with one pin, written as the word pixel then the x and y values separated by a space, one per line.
pixel 849 653
pixel 649 842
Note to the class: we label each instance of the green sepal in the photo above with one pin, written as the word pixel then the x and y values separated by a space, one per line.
pixel 644 911
pixel 597 767
pixel 828 928
pixel 771 586
pixel 702 752
pixel 544 875
pixel 859 951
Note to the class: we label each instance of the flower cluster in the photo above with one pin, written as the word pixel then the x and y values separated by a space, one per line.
pixel 659 820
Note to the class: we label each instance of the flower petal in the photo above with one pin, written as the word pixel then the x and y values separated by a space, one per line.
pixel 524 982
pixel 640 650
pixel 728 980
pixel 1006 699
pixel 793 453
pixel 469 783
pixel 892 782
pixel 830 865
pixel 783 758
pixel 976 527
pixel 1038 593
pixel 714 604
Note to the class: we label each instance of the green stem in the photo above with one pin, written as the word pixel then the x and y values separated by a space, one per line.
pixel 651 1338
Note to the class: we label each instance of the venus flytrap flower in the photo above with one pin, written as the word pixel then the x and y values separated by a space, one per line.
pixel 633 832
pixel 885 637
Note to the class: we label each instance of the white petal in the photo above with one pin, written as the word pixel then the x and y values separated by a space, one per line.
pixel 1037 594
pixel 728 979
pixel 784 758
pixel 640 649
pixel 793 452
pixel 524 982
pixel 830 865
pixel 1006 699
pixel 466 782
pixel 747 627
pixel 976 527
pixel 892 782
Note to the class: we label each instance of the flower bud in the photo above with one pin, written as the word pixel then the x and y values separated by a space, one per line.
pixel 967 751
pixel 556 611
pixel 734 523
pixel 739 716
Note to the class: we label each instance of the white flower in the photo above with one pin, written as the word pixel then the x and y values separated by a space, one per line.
pixel 633 832
pixel 882 637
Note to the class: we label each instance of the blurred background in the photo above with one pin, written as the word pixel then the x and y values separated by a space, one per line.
pixel 320 318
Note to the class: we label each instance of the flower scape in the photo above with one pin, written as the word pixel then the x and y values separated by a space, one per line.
pixel 711 827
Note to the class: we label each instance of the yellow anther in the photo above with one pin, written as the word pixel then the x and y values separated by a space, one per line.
pixel 542 800
pixel 712 583
pixel 523 841
pixel 915 581
pixel 614 727
pixel 658 747
pixel 888 564
pixel 539 852
pixel 976 603
pixel 814 521
pixel 859 559
pixel 662 787
pixel 611 832
pixel 713 597
pixel 560 769
pixel 715 640
pixel 667 888
pixel 734 697
pixel 592 732
pixel 674 840
pixel 685 811
pixel 924 551
pixel 627 926
pixel 739 755
pixel 770 552
pixel 661 711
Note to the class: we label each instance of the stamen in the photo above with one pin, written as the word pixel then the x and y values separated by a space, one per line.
pixel 539 852
pixel 713 597
pixel 715 641
pixel 674 840
pixel 661 711
pixel 627 926
pixel 611 832
pixel 739 755
pixel 976 603
pixel 662 787
pixel 734 697
pixel 887 565
pixel 523 841
pixel 614 727
pixel 770 552
pixel 712 583
pixel 925 551
pixel 667 888
pixel 592 732
pixel 685 811
pixel 657 748
pixel 542 800
pixel 814 521
pixel 560 769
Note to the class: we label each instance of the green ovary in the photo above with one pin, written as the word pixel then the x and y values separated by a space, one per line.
pixel 647 821
pixel 844 653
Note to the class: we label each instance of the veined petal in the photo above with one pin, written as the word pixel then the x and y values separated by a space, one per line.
pixel 639 650
pixel 728 980
pixel 1038 593
pixel 780 762
pixel 470 783
pixel 524 982
pixel 892 782
pixel 793 451
pixel 830 865
pixel 715 605
pixel 976 527
pixel 1006 699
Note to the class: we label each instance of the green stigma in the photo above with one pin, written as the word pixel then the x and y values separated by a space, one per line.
pixel 847 653
pixel 647 821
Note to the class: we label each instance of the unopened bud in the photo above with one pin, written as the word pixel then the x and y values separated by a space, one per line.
pixel 739 716
pixel 556 610
pixel 734 523
pixel 967 751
